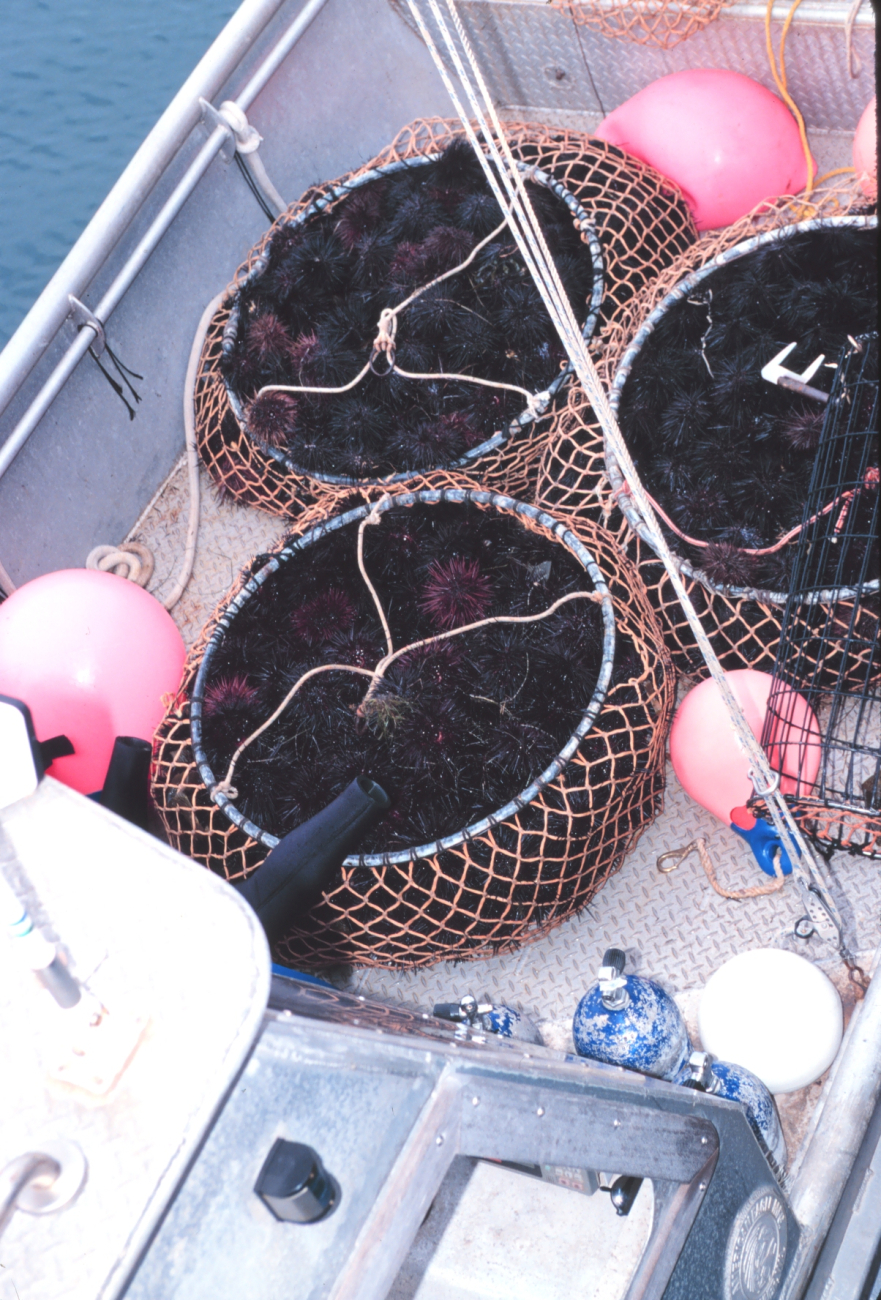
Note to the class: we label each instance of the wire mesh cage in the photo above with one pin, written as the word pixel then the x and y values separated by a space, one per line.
pixel 632 221
pixel 663 23
pixel 740 594
pixel 498 882
pixel 830 652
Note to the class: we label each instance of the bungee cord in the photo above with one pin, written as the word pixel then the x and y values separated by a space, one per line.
pixel 507 185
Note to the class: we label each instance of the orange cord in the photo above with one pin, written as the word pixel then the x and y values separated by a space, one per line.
pixel 780 81
pixel 838 171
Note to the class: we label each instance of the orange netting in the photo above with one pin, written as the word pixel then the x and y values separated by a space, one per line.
pixel 843 830
pixel 640 219
pixel 498 889
pixel 645 22
pixel 572 476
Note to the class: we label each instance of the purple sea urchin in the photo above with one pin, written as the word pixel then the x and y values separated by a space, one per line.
pixel 272 418
pixel 803 428
pixel 323 616
pixel 360 214
pixel 268 341
pixel 727 565
pixel 445 247
pixel 230 694
pixel 456 593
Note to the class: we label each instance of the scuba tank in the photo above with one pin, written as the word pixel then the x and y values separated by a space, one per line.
pixel 491 1017
pixel 628 1021
pixel 705 1074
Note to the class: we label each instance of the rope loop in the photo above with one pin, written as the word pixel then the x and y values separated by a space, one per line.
pixel 700 844
pixel 384 343
pixel 134 559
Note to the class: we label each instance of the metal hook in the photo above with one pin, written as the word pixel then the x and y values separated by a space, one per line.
pixel 679 854
pixel 771 789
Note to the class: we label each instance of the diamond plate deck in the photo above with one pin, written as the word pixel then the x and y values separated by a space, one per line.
pixel 532 54
pixel 675 927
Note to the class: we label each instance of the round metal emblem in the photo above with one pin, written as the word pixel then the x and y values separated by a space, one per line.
pixel 756 1248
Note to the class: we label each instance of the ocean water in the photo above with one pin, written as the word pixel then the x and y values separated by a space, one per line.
pixel 81 84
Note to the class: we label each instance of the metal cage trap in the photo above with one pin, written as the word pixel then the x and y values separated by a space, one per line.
pixel 836 790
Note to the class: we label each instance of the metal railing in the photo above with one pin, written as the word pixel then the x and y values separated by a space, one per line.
pixel 125 200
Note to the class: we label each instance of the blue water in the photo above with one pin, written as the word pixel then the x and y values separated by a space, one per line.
pixel 81 84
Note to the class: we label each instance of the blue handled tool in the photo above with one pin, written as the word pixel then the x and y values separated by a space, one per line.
pixel 762 839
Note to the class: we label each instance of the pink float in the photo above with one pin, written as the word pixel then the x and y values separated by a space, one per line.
pixel 726 141
pixel 865 150
pixel 705 754
pixel 92 655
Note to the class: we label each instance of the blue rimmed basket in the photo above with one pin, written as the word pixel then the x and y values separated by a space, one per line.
pixel 503 880
pixel 503 438
pixel 682 290
pixel 579 478
pixel 634 221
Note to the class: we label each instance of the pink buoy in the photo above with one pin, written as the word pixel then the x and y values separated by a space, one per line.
pixel 865 150
pixel 726 141
pixel 92 655
pixel 710 764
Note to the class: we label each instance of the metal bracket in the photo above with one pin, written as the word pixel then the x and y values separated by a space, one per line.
pixel 776 373
pixel 81 315
pixel 241 137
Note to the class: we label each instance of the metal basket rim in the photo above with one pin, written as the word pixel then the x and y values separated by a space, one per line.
pixel 331 523
pixel 676 294
pixel 502 436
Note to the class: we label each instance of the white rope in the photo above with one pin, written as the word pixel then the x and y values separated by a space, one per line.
pixel 186 570
pixel 384 344
pixel 135 559
pixel 506 183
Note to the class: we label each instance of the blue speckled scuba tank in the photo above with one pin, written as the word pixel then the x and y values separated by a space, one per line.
pixel 628 1021
pixel 724 1079
pixel 491 1017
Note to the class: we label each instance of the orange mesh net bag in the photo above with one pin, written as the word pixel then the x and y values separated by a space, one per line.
pixel 741 615
pixel 644 22
pixel 518 870
pixel 632 223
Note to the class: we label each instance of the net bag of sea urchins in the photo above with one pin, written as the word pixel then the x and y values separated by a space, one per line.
pixel 497 676
pixel 386 328
pixel 725 455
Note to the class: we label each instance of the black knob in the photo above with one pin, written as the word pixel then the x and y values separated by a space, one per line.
pixel 623 1193
pixel 294 1185
pixel 448 1011
pixel 616 958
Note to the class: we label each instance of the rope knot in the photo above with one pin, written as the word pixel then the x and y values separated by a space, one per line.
pixel 536 403
pixel 385 340
pixel 375 515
